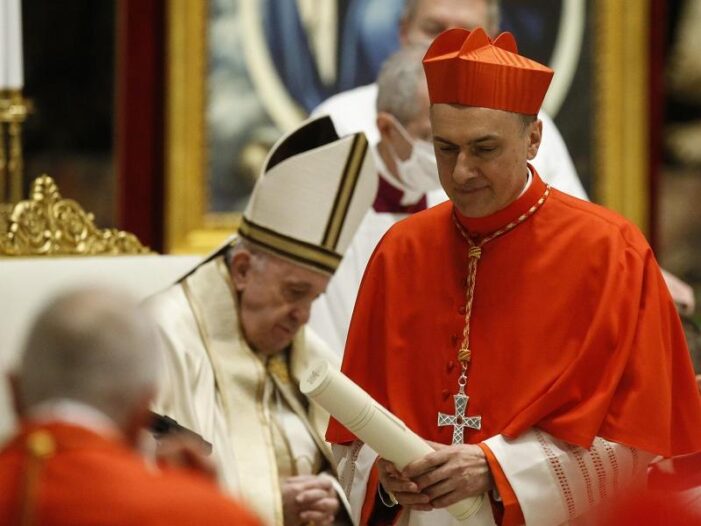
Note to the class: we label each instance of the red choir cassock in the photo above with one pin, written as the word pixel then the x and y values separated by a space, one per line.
pixel 573 330
pixel 59 474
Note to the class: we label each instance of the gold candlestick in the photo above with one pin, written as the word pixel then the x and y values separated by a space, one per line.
pixel 13 111
pixel 3 165
pixel 45 224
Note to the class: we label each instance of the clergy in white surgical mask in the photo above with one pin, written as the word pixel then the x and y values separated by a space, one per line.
pixel 404 154
pixel 418 172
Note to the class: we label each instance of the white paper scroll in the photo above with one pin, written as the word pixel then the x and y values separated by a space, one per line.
pixel 373 424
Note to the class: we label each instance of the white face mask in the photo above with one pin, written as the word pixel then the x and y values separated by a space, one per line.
pixel 419 172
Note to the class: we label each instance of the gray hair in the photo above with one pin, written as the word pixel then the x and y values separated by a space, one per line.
pixel 259 257
pixel 493 8
pixel 398 83
pixel 91 345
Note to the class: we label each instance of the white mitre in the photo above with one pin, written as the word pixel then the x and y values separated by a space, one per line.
pixel 313 192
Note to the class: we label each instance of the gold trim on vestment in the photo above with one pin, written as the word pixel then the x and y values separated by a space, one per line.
pixel 200 327
pixel 306 253
pixel 40 446
pixel 267 420
pixel 283 442
pixel 346 188
pixel 278 368
pixel 284 456
pixel 286 392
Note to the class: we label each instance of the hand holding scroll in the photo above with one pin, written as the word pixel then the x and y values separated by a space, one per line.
pixel 450 474
pixel 404 490
pixel 388 436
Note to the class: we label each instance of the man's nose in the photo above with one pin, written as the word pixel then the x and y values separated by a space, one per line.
pixel 301 313
pixel 465 169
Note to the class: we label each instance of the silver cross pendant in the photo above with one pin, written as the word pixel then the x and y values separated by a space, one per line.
pixel 459 420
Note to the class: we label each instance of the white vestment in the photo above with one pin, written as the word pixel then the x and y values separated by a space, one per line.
pixel 352 111
pixel 261 427
pixel 554 482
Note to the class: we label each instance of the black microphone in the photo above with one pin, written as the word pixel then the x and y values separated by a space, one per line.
pixel 162 425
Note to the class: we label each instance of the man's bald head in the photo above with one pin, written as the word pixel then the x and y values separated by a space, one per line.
pixel 94 346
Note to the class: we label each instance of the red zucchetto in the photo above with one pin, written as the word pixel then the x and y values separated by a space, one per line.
pixel 469 69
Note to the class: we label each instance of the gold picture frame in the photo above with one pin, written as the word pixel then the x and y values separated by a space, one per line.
pixel 620 131
pixel 622 125
pixel 188 226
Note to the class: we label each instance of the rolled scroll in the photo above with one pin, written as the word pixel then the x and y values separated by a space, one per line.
pixel 373 424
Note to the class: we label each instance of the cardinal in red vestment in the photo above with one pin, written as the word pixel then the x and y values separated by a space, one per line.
pixel 528 335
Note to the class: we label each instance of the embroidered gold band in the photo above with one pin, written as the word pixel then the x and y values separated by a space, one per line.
pixel 351 172
pixel 305 253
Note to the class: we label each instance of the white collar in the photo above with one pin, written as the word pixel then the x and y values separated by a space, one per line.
pixel 75 413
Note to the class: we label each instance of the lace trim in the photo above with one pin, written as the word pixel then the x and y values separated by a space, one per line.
pixel 613 462
pixel 579 453
pixel 636 461
pixel 600 469
pixel 348 475
pixel 559 473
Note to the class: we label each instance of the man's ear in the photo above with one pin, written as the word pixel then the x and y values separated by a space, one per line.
pixel 13 382
pixel 385 124
pixel 535 135
pixel 240 268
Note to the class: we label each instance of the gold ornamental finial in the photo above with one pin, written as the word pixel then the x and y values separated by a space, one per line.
pixel 48 225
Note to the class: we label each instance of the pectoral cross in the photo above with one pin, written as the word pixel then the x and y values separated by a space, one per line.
pixel 459 420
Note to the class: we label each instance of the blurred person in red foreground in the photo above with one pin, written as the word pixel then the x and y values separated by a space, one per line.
pixel 673 496
pixel 87 376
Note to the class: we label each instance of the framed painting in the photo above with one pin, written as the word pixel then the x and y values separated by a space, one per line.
pixel 242 72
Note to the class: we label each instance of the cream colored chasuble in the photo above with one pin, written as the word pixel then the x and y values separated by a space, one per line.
pixel 271 433
pixel 296 451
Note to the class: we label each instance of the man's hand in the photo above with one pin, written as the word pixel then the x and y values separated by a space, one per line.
pixel 450 474
pixel 309 499
pixel 404 490
pixel 182 451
